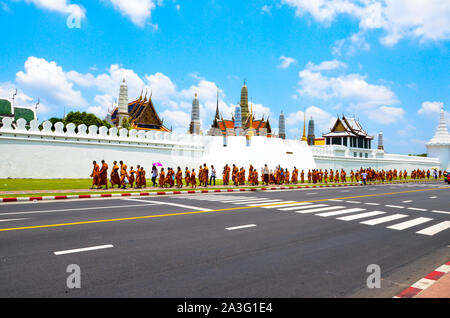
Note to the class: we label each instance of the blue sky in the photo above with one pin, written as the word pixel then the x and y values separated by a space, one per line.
pixel 384 61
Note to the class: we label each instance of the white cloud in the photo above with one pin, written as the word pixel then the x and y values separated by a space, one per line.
pixel 61 6
pixel 430 108
pixel 266 9
pixel 137 10
pixel 386 115
pixel 48 81
pixel 352 88
pixel 420 19
pixel 286 62
pixel 326 66
pixel 323 120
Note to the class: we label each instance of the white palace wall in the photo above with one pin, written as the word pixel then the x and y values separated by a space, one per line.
pixel 55 153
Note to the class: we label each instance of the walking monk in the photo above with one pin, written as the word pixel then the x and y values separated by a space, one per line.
pixel 115 179
pixel 103 175
pixel 226 175
pixel 131 178
pixel 95 175
pixel 193 181
pixel 179 178
pixel 123 174
pixel 162 178
pixel 187 177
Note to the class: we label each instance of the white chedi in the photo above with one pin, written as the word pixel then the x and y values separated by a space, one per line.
pixel 439 145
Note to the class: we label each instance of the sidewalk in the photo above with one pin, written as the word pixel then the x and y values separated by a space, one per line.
pixel 440 289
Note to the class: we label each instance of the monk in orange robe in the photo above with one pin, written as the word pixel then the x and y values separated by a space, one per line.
pixel 302 177
pixel 115 179
pixel 193 181
pixel 131 178
pixel 162 178
pixel 103 175
pixel 294 178
pixel 287 176
pixel 235 175
pixel 95 174
pixel 226 175
pixel 179 178
pixel 187 177
pixel 144 180
pixel 123 175
pixel 138 176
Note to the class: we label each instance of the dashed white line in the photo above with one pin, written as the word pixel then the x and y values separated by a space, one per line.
pixel 438 211
pixel 10 220
pixel 303 207
pixel 395 206
pixel 340 212
pixel 370 203
pixel 407 201
pixel 355 202
pixel 320 209
pixel 360 215
pixel 384 219
pixel 240 227
pixel 433 197
pixel 78 250
pixel 417 209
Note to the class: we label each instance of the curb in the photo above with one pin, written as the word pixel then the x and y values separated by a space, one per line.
pixel 425 282
pixel 109 195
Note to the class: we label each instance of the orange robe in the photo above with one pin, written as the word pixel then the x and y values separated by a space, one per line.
pixel 115 179
pixel 103 175
pixel 131 178
pixel 95 175
pixel 123 174
pixel 193 180
pixel 162 179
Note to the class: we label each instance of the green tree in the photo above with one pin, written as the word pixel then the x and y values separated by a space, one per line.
pixel 88 119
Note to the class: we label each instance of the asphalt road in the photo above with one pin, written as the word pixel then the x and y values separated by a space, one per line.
pixel 288 243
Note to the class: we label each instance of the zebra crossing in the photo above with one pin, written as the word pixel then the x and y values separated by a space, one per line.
pixel 393 221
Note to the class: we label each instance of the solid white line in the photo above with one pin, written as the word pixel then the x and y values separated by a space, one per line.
pixel 360 216
pixel 178 205
pixel 384 219
pixel 9 220
pixel 83 249
pixel 285 205
pixel 408 224
pixel 340 212
pixel 369 203
pixel 243 199
pixel 320 209
pixel 303 207
pixel 239 227
pixel 395 206
pixel 264 202
pixel 78 209
pixel 435 228
pixel 417 209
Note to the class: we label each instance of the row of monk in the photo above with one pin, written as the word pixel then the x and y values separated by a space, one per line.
pixel 121 176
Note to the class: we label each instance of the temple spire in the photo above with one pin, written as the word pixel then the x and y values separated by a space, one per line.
pixel 304 126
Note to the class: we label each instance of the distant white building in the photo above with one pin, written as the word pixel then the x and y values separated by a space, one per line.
pixel 439 145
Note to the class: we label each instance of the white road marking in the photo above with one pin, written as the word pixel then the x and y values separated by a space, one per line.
pixel 240 227
pixel 303 207
pixel 356 202
pixel 417 209
pixel 320 209
pixel 228 200
pixel 395 206
pixel 84 249
pixel 443 268
pixel 263 202
pixel 360 216
pixel 285 205
pixel 408 224
pixel 384 219
pixel 335 200
pixel 340 212
pixel 370 203
pixel 435 228
pixel 9 220
pixel 311 193
pixel 437 211
pixel 433 197
pixel 82 209
pixel 175 204
pixel 250 201
pixel 407 201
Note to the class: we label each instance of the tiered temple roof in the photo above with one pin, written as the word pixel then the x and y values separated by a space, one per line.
pixel 142 115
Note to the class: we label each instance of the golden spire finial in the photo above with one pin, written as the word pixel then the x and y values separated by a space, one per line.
pixel 304 126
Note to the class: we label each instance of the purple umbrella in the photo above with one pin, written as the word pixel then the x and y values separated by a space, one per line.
pixel 157 164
